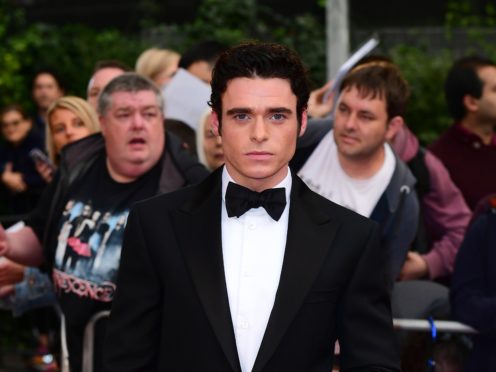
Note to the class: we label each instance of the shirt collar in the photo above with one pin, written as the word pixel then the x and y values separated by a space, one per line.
pixel 470 137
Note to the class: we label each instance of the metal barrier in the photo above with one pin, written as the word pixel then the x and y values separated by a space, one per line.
pixel 88 342
pixel 89 336
pixel 424 325
pixel 64 352
pixel 399 324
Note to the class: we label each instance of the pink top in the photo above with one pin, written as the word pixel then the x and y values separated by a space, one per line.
pixel 446 214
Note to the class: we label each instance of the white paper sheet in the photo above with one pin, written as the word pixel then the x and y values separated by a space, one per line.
pixel 186 98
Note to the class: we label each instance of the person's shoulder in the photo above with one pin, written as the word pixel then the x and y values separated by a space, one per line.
pixel 185 195
pixel 187 164
pixel 167 200
pixel 443 142
pixel 319 204
pixel 79 150
pixel 402 180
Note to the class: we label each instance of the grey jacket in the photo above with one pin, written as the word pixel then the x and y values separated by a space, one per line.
pixel 397 211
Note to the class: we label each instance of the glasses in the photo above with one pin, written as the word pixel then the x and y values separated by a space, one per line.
pixel 13 123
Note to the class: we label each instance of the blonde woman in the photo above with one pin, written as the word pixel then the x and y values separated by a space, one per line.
pixel 159 65
pixel 69 119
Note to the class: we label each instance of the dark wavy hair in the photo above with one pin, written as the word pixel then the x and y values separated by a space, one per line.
pixel 263 60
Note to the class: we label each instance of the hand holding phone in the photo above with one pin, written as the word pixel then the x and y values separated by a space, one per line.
pixel 43 164
pixel 39 156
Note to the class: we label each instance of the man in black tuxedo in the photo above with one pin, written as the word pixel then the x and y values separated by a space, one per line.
pixel 250 270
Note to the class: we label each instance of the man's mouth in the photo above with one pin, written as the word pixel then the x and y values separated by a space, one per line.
pixel 259 155
pixel 349 139
pixel 137 141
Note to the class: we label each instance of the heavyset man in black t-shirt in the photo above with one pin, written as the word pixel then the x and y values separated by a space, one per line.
pixel 77 229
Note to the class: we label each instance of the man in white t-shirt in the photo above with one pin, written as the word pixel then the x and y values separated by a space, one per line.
pixel 355 167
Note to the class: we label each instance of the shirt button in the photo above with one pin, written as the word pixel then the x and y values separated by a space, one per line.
pixel 252 226
pixel 477 145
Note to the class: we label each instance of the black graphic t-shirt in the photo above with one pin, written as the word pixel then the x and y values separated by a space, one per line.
pixel 88 245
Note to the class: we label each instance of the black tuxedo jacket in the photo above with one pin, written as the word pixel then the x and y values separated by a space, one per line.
pixel 171 310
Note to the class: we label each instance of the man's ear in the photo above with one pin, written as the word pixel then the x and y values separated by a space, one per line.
pixel 103 124
pixel 304 122
pixel 394 125
pixel 471 103
pixel 215 124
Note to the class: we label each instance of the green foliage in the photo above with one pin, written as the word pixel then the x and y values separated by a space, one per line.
pixel 71 50
pixel 426 113
pixel 233 21
pixel 426 71
pixel 461 13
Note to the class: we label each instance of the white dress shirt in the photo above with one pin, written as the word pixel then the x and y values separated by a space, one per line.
pixel 253 248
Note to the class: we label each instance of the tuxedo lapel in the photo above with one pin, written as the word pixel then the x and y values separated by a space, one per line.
pixel 310 235
pixel 199 235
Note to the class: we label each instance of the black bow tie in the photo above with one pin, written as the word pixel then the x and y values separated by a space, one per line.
pixel 239 199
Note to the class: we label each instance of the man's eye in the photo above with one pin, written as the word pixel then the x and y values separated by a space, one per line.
pixel 342 109
pixel 242 117
pixel 366 118
pixel 150 114
pixel 278 117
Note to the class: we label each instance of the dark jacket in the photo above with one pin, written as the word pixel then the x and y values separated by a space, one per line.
pixel 171 311
pixel 473 289
pixel 24 202
pixel 178 169
pixel 396 211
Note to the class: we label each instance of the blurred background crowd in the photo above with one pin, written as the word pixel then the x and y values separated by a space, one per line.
pixel 51 74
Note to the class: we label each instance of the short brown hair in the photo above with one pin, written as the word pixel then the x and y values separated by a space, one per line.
pixel 380 80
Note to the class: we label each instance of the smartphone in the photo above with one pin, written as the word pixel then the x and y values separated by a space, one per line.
pixel 39 156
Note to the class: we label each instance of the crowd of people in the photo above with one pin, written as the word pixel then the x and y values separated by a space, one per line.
pixel 72 172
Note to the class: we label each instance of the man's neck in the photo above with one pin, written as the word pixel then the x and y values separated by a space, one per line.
pixel 484 130
pixel 257 184
pixel 120 176
pixel 42 113
pixel 362 167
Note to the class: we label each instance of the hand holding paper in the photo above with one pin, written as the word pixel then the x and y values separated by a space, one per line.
pixel 349 64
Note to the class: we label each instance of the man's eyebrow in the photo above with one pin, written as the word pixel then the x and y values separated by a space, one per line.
pixel 284 110
pixel 239 110
pixel 155 107
pixel 270 110
pixel 367 112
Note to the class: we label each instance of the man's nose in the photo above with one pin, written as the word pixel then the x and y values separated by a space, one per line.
pixel 137 121
pixel 259 132
pixel 350 122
